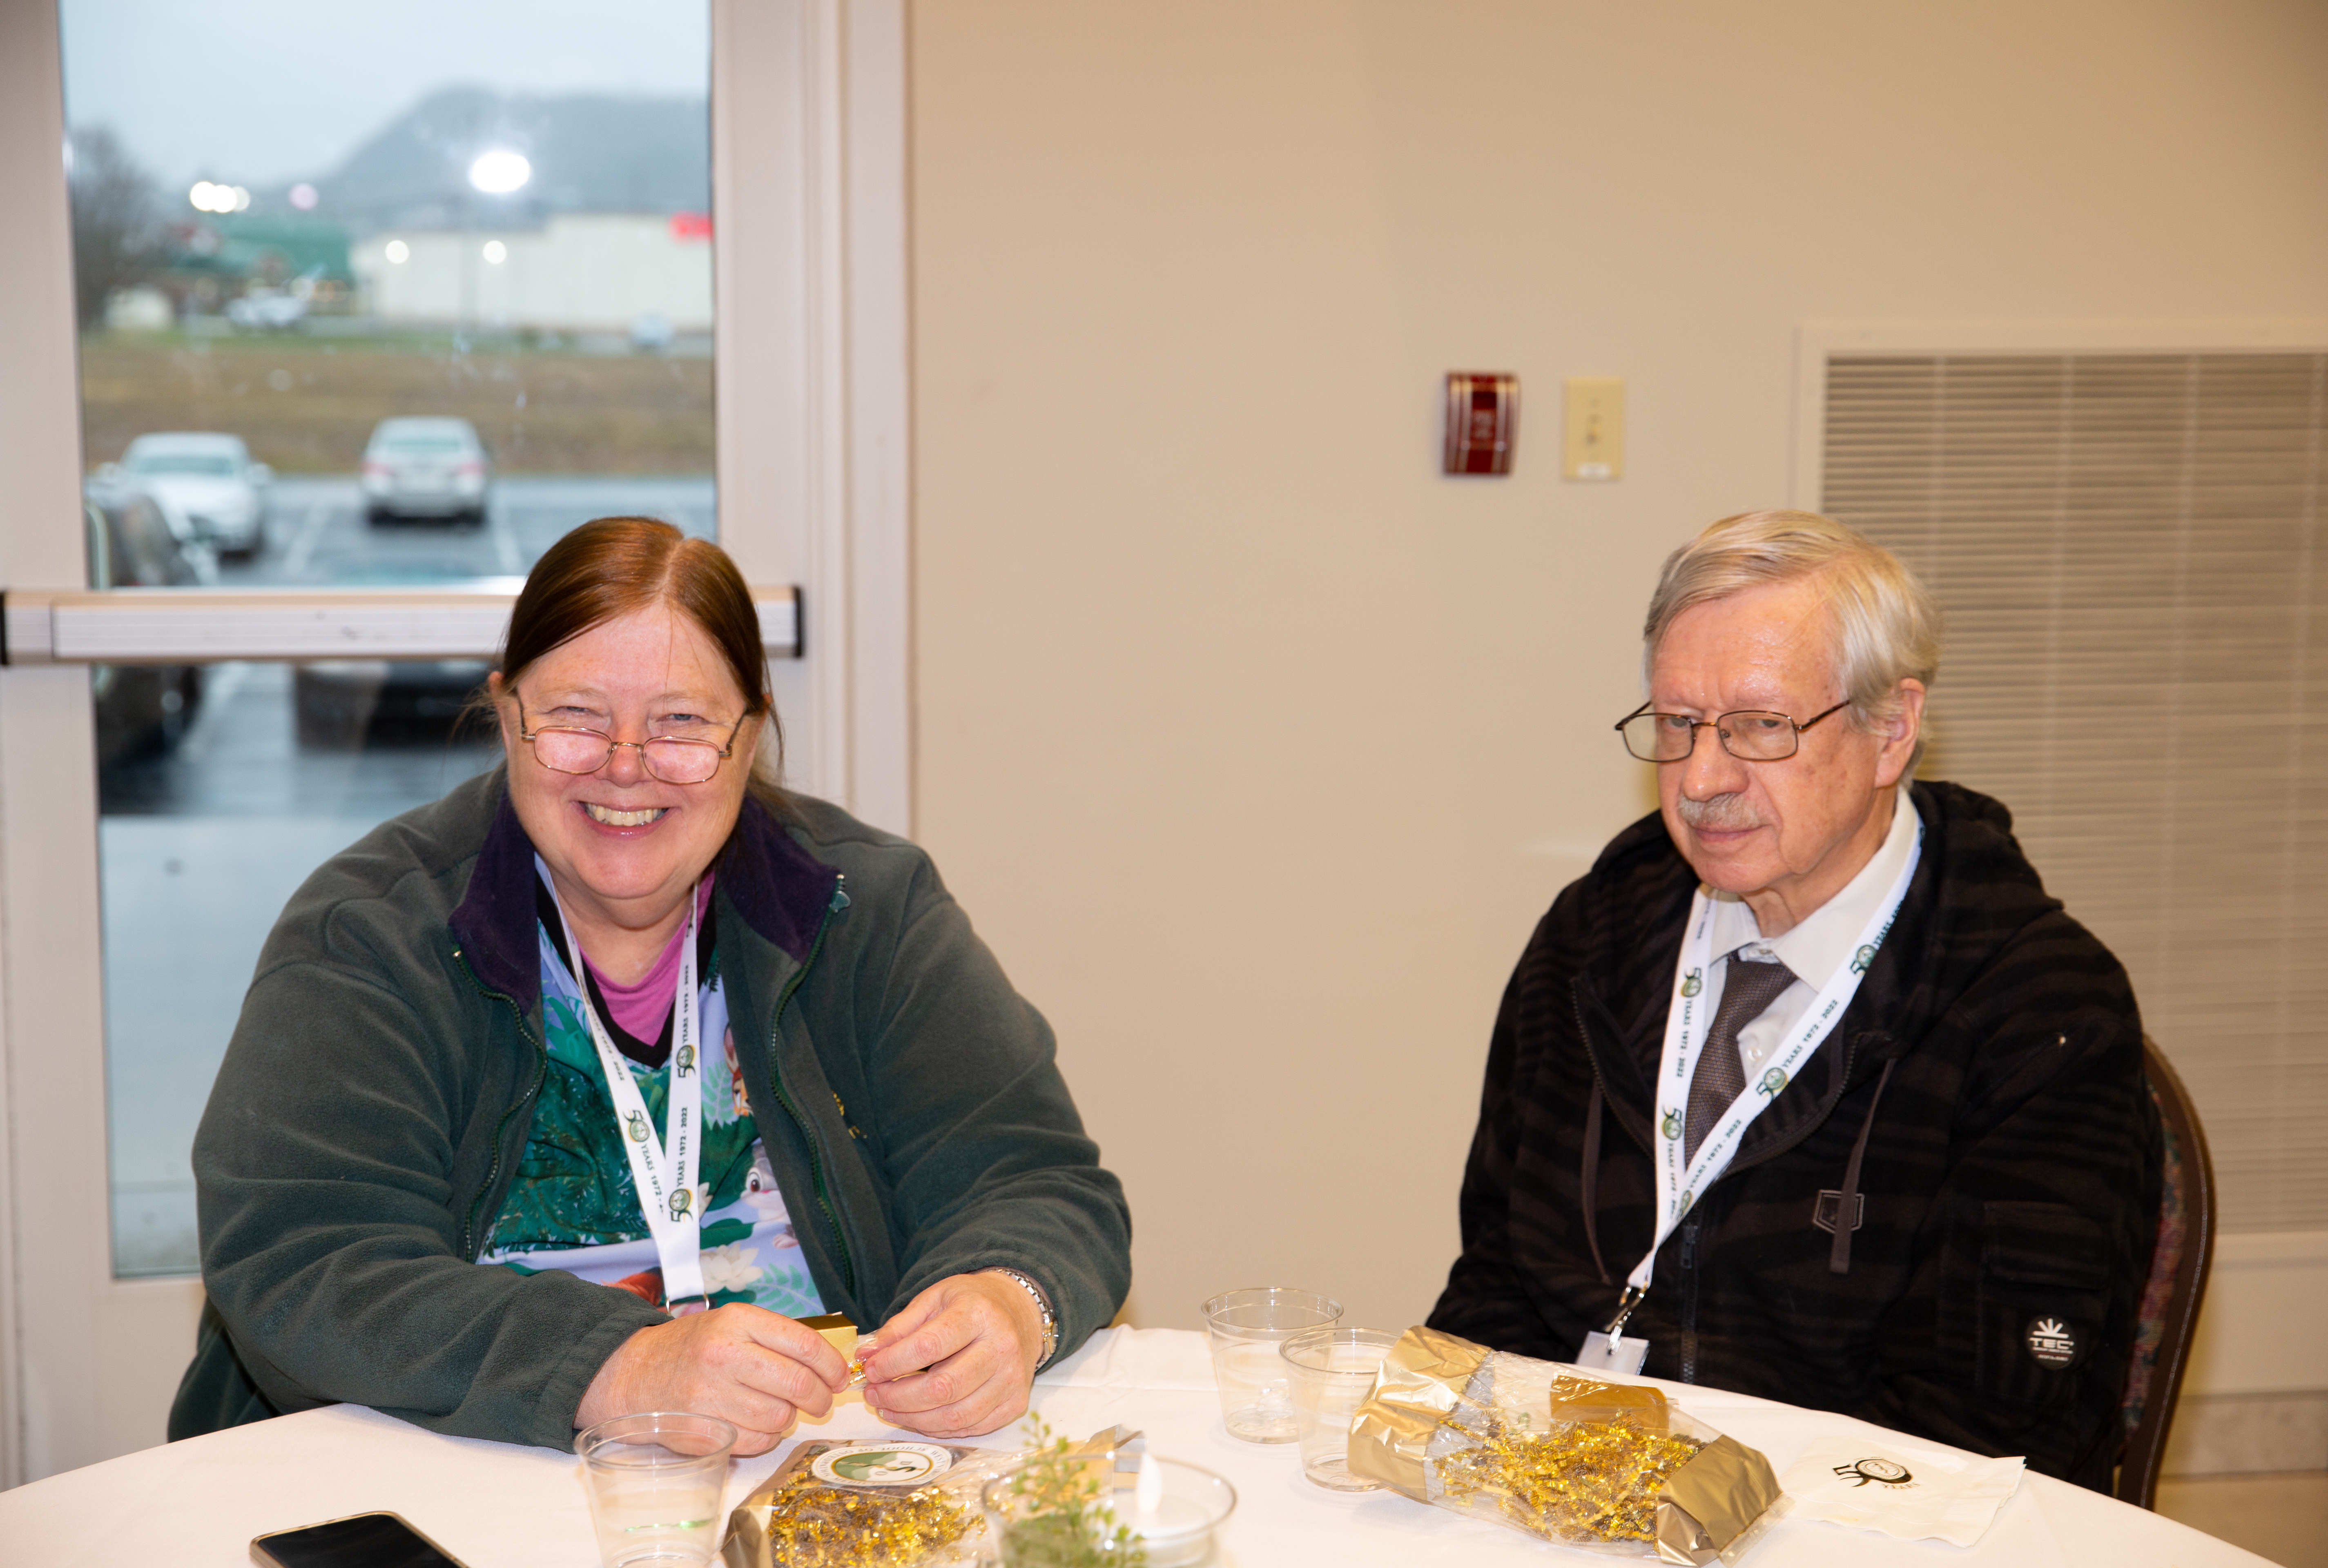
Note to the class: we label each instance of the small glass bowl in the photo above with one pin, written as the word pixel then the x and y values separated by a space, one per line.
pixel 1179 1535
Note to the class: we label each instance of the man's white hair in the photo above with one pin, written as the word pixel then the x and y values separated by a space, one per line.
pixel 1885 625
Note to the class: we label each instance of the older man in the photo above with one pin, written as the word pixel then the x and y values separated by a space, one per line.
pixel 1808 1089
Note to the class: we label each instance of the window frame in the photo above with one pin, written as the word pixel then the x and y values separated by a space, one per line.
pixel 809 156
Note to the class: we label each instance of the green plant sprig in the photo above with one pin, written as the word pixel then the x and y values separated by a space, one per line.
pixel 1066 1514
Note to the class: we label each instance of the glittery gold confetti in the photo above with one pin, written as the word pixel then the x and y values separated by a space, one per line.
pixel 1585 1480
pixel 811 1524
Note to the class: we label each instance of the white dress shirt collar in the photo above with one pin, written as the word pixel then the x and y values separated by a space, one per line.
pixel 1819 945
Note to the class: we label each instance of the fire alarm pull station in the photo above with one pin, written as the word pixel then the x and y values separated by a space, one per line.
pixel 1483 416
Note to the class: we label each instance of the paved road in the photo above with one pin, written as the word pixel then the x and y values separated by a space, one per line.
pixel 316 534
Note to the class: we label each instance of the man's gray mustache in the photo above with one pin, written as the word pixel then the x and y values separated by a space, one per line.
pixel 1723 813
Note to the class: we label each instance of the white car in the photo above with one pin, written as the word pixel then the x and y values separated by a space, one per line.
pixel 418 467
pixel 207 478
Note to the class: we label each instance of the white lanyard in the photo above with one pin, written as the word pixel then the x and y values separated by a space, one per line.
pixel 662 1170
pixel 1687 1023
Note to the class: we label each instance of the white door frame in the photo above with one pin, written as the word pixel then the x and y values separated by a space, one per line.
pixel 808 157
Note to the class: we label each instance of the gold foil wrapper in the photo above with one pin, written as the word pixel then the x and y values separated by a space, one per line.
pixel 1589 1399
pixel 1612 1467
pixel 1422 1380
pixel 1581 1482
pixel 1710 1506
pixel 838 1330
pixel 1110 1458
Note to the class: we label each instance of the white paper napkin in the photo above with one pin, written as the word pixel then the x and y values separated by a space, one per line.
pixel 1915 1494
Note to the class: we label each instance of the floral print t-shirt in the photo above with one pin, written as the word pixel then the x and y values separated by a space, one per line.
pixel 574 1206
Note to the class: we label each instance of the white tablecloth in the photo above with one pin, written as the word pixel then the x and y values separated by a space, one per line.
pixel 197 1504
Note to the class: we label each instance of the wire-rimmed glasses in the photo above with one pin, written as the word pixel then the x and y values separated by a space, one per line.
pixel 1749 734
pixel 678 759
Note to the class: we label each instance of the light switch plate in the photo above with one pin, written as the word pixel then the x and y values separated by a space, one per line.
pixel 1594 446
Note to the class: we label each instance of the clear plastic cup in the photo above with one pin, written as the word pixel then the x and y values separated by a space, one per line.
pixel 1333 1371
pixel 655 1482
pixel 1246 1327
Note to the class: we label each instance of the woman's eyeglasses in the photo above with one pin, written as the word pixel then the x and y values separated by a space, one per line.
pixel 680 759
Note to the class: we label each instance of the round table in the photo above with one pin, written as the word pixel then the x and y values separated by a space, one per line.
pixel 197 1504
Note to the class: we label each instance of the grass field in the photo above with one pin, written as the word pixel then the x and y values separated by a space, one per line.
pixel 307 405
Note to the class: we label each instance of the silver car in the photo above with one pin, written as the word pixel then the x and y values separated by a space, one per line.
pixel 208 478
pixel 416 467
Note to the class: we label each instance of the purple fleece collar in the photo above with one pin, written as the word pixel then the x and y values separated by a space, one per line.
pixel 780 889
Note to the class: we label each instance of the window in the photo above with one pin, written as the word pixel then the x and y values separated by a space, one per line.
pixel 2130 552
pixel 365 300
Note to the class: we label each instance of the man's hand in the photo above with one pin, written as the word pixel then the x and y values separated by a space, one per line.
pixel 744 1364
pixel 959 1360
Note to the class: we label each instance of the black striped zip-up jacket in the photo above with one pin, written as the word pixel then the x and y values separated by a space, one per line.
pixel 1998 1215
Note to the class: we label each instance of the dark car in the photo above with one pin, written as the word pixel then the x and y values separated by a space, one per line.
pixel 142 709
pixel 346 704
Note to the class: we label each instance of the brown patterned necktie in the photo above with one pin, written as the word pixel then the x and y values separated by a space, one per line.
pixel 1747 993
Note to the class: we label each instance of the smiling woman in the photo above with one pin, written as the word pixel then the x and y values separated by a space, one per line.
pixel 635 631
pixel 540 1107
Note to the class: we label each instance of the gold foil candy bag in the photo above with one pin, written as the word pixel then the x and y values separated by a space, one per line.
pixel 1611 1468
pixel 874 1503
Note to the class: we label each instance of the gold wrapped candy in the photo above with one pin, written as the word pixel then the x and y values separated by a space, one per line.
pixel 795 1520
pixel 839 1330
pixel 1582 1480
pixel 1611 1468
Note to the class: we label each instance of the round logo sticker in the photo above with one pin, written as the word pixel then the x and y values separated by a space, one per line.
pixel 881 1464
pixel 1889 1473
pixel 2051 1343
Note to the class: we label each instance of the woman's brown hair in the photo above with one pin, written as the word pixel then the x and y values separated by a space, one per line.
pixel 613 567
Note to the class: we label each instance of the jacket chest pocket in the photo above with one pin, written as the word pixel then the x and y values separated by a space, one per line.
pixel 2042 1303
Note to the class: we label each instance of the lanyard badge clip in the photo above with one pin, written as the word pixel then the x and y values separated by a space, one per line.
pixel 1625 1305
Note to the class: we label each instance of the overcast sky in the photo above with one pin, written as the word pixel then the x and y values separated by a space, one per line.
pixel 255 92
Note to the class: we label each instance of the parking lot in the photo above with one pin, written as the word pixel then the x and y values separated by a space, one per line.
pixel 204 842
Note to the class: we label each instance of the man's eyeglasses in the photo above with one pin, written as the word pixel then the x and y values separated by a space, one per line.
pixel 680 759
pixel 1749 734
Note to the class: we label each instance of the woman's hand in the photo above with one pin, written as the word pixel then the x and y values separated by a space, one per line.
pixel 959 1360
pixel 744 1364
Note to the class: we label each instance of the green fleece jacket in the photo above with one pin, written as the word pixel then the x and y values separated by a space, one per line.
pixel 375 1101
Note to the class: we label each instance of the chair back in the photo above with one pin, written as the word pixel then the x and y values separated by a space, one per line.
pixel 2179 1263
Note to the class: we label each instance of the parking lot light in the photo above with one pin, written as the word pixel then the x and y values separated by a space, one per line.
pixel 500 172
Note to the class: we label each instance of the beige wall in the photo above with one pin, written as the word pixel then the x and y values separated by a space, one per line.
pixel 1253 745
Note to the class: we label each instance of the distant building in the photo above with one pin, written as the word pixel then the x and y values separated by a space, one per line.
pixel 578 272
pixel 207 262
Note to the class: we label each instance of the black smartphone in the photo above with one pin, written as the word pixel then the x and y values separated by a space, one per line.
pixel 358 1541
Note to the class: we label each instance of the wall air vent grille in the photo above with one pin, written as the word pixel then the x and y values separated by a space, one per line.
pixel 2130 551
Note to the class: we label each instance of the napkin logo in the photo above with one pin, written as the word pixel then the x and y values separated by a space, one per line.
pixel 2051 1343
pixel 1876 1469
pixel 1693 983
pixel 1863 958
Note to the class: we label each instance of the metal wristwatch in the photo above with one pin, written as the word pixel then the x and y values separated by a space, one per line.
pixel 1042 1305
